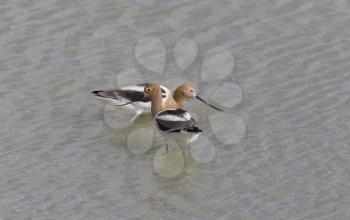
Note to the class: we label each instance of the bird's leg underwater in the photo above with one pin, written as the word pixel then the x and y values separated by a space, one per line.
pixel 187 146
pixel 169 142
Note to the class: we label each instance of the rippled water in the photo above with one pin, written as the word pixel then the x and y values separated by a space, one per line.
pixel 62 158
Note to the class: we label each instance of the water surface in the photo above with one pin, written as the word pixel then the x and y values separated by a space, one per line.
pixel 61 160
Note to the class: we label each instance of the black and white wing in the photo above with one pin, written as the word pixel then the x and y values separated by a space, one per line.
pixel 176 120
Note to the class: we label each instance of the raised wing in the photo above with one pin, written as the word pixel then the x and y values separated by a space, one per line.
pixel 131 93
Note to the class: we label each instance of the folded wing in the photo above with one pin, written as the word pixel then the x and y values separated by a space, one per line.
pixel 176 120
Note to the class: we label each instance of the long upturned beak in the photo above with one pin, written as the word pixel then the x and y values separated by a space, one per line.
pixel 205 102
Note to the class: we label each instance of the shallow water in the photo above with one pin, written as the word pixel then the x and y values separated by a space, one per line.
pixel 288 156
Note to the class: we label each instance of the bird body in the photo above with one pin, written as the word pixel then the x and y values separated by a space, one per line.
pixel 177 124
pixel 173 124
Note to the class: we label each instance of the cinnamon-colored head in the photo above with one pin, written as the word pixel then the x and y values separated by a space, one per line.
pixel 186 90
pixel 151 89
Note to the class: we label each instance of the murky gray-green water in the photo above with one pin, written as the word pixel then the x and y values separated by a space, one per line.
pixel 61 159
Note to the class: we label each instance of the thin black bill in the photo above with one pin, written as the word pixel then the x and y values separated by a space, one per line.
pixel 205 102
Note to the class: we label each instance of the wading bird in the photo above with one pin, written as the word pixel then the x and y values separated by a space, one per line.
pixel 173 124
pixel 132 98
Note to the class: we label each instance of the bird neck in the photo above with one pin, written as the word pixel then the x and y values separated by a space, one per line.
pixel 156 103
pixel 171 103
pixel 179 98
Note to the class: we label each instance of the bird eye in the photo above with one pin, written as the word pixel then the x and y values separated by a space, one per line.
pixel 191 90
pixel 148 89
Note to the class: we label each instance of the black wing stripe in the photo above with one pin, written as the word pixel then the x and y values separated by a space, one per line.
pixel 177 130
pixel 132 95
pixel 106 93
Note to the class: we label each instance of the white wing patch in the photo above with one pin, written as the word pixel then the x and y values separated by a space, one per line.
pixel 187 116
pixel 169 117
pixel 167 91
pixel 167 94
